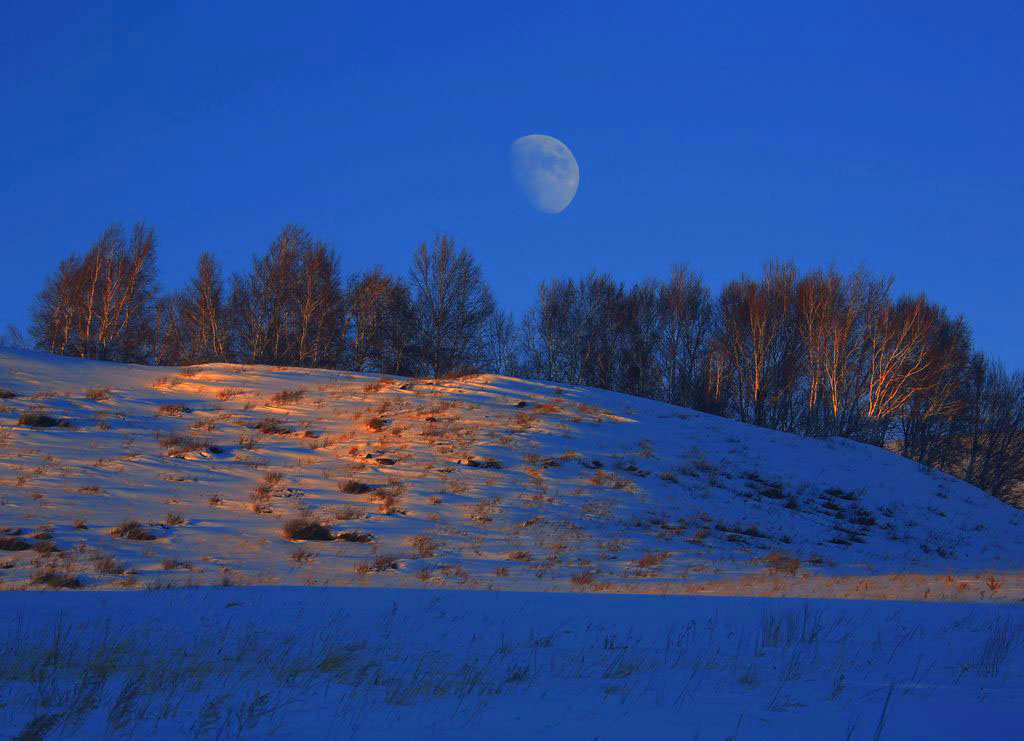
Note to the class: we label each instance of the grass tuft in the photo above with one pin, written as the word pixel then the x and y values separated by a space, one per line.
pixel 305 529
pixel 56 579
pixel 38 419
pixel 132 530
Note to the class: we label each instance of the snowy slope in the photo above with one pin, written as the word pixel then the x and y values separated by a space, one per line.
pixel 479 482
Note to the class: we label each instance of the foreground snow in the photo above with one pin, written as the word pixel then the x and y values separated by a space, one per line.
pixel 480 482
pixel 366 663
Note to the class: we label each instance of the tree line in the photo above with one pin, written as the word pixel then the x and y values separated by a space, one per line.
pixel 819 353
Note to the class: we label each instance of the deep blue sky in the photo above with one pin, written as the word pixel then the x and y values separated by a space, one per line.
pixel 716 134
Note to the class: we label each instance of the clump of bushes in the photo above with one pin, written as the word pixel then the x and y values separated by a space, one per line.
pixel 9 543
pixel 425 546
pixel 170 564
pixel 305 529
pixel 132 530
pixel 173 410
pixel 56 579
pixel 387 501
pixel 781 563
pixel 652 560
pixel 38 419
pixel 177 445
pixel 270 426
pixel 379 564
pixel 354 487
pixel 302 555
pixel 288 396
pixel 108 565
pixel 583 578
pixel 354 536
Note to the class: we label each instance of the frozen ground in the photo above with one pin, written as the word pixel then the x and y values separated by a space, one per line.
pixel 479 482
pixel 293 662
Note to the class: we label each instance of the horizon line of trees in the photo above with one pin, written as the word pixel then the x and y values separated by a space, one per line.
pixel 820 353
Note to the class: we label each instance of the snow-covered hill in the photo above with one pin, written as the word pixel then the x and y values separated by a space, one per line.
pixel 479 482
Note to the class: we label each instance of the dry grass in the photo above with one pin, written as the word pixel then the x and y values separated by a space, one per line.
pixel 385 563
pixel 302 555
pixel 288 396
pixel 424 545
pixel 178 445
pixel 378 565
pixel 44 547
pixel 9 543
pixel 271 426
pixel 38 419
pixel 132 530
pixel 354 487
pixel 7 394
pixel 372 388
pixel 652 559
pixel 108 565
pixel 355 536
pixel 56 579
pixel 98 394
pixel 174 518
pixel 781 563
pixel 388 498
pixel 305 529
pixel 348 513
pixel 172 410
pixel 171 564
pixel 583 578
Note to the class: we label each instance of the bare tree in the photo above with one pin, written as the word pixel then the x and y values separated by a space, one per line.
pixel 688 317
pixel 13 338
pixel 453 305
pixel 203 313
pixel 833 315
pixel 501 344
pixel 908 360
pixel 929 422
pixel 383 325
pixel 600 320
pixel 993 430
pixel 289 309
pixel 643 323
pixel 101 306
pixel 549 332
pixel 758 342
pixel 320 310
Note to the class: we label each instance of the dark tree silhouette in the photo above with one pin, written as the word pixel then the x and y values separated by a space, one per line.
pixel 453 305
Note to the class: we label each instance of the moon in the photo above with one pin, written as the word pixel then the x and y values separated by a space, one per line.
pixel 546 172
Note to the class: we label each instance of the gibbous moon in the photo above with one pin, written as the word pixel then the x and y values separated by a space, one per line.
pixel 546 172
